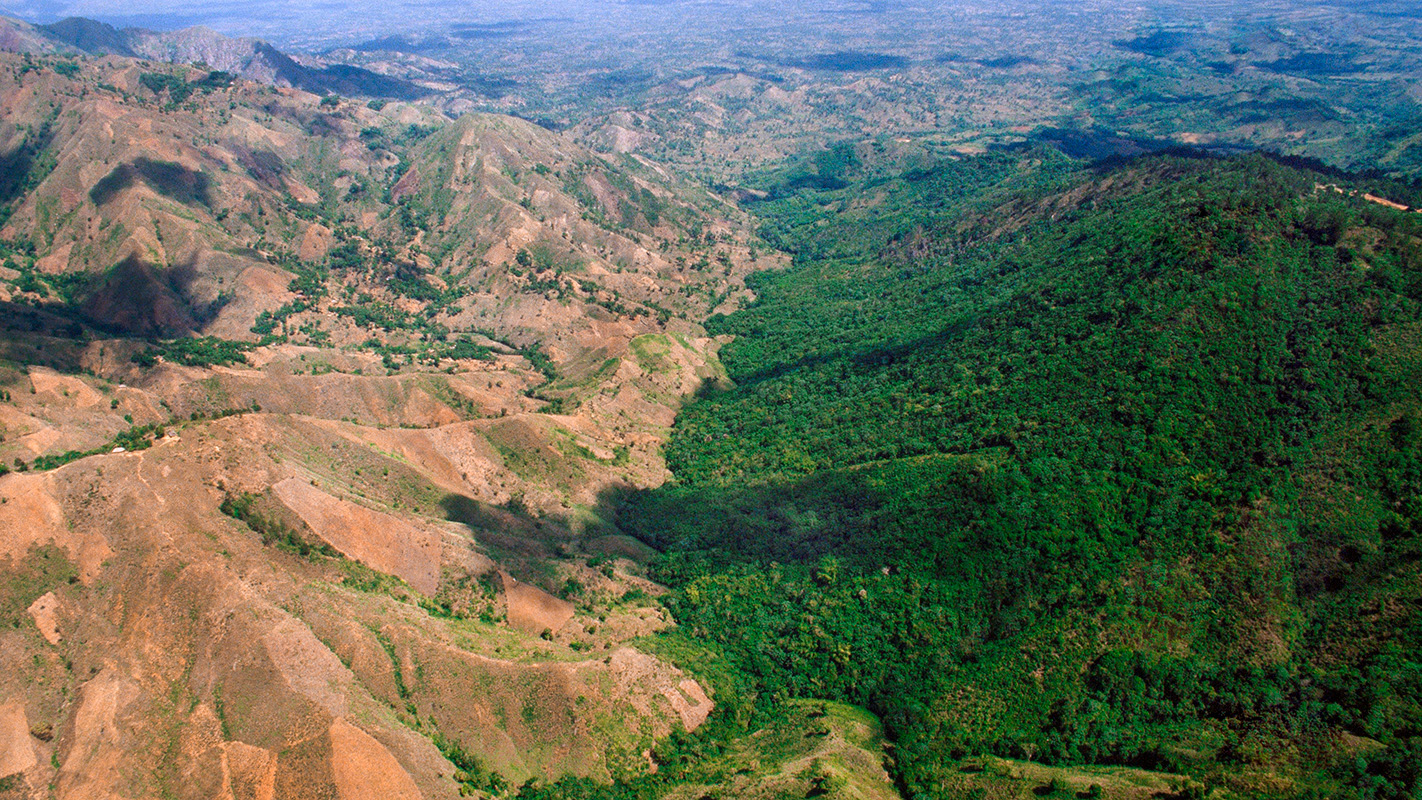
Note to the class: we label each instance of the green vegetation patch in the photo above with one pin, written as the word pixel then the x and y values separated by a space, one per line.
pixel 197 351
pixel 274 532
pixel 25 579
pixel 651 351
pixel 1076 467
pixel 139 437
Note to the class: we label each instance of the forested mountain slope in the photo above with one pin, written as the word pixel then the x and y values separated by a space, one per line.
pixel 1116 466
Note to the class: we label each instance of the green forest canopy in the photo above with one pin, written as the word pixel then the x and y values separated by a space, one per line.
pixel 1117 466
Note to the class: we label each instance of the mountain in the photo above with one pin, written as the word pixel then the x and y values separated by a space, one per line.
pixel 21 37
pixel 307 404
pixel 351 450
pixel 90 36
pixel 251 59
pixel 1101 469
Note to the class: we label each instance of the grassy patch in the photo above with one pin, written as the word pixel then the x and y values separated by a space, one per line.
pixel 651 351
pixel 274 532
pixel 23 580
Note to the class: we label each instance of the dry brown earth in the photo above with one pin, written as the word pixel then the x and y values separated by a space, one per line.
pixel 160 647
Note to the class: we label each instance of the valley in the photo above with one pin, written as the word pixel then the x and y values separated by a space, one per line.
pixel 855 403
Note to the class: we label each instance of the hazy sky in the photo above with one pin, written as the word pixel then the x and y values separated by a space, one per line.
pixel 266 17
pixel 314 25
pixel 319 22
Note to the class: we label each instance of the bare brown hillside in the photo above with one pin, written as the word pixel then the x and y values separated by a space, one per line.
pixel 306 408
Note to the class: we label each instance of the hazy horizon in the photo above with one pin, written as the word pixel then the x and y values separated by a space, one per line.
pixel 296 24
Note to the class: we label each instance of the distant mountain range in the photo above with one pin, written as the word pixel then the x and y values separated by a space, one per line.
pixel 252 59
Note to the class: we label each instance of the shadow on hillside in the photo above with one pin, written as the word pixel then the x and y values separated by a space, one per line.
pixel 920 510
pixel 133 300
pixel 15 165
pixel 518 539
pixel 877 355
pixel 41 337
pixel 136 298
pixel 784 521
pixel 167 178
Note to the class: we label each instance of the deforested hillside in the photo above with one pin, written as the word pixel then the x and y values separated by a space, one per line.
pixel 1088 469
pixel 305 404
pixel 154 202
pixel 125 158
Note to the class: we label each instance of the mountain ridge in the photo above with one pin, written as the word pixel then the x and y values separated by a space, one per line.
pixel 248 58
